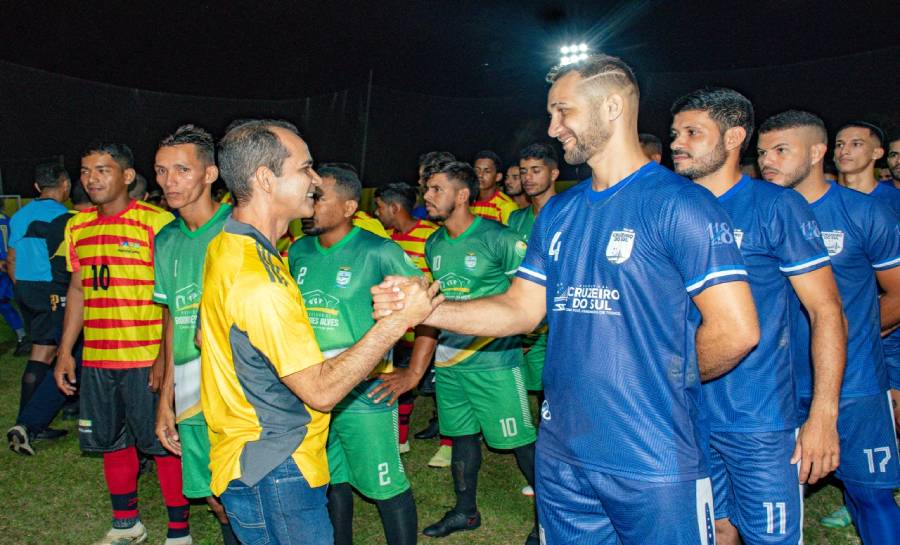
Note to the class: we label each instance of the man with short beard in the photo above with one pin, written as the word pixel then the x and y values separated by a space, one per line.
pixel 893 159
pixel 754 445
pixel 857 147
pixel 539 169
pixel 513 185
pixel 862 239
pixel 644 296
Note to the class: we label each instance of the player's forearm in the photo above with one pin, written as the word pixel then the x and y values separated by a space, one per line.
pixel 829 356
pixel 167 389
pixel 720 350
pixel 890 311
pixel 423 349
pixel 323 386
pixel 495 316
pixel 73 321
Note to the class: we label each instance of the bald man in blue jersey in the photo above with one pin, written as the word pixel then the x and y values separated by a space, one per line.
pixel 754 445
pixel 862 236
pixel 645 294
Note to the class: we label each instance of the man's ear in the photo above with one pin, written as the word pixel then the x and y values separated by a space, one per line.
pixel 350 208
pixel 264 179
pixel 734 137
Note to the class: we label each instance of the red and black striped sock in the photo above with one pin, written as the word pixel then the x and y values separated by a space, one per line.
pixel 120 467
pixel 168 468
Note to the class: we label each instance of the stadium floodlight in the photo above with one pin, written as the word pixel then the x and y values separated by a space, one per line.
pixel 574 53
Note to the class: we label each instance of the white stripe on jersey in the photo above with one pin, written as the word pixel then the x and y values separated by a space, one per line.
pixel 886 264
pixel 704 498
pixel 535 274
pixel 712 275
pixel 810 263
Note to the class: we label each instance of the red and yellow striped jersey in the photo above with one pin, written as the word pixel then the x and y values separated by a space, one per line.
pixel 113 256
pixel 413 243
pixel 497 208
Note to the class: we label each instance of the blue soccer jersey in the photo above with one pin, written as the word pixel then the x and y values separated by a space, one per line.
pixel 622 384
pixel 778 238
pixel 862 237
pixel 890 195
pixel 29 229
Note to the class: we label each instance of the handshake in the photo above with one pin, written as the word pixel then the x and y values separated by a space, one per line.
pixel 408 299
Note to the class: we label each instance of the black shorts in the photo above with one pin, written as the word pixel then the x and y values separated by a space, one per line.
pixel 118 410
pixel 43 307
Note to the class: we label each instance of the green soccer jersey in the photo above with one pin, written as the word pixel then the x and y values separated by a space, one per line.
pixel 178 257
pixel 335 284
pixel 477 263
pixel 521 221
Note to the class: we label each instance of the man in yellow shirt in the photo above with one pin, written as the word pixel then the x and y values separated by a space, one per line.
pixel 266 389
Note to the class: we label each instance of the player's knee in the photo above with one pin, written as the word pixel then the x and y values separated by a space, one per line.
pixel 726 533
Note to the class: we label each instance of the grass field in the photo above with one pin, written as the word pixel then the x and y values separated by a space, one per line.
pixel 59 497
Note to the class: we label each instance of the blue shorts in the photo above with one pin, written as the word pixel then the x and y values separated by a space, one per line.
pixel 6 287
pixel 581 506
pixel 892 358
pixel 756 486
pixel 868 441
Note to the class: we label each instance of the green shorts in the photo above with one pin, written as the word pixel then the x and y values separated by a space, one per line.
pixel 363 450
pixel 195 473
pixel 533 368
pixel 494 403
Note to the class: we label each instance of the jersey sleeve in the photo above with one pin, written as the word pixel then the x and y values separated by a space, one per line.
pixel 794 236
pixel 72 264
pixel 506 209
pixel 533 266
pixel 16 231
pixel 700 240
pixel 511 251
pixel 161 220
pixel 394 261
pixel 159 285
pixel 882 243
pixel 277 325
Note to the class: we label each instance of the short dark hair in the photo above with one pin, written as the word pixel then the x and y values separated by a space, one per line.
pixel 119 152
pixel 340 164
pixel 47 175
pixel 726 107
pixel 601 66
pixel 247 145
pixel 875 130
pixel 794 119
pixel 461 173
pixel 488 154
pixel 435 157
pixel 651 141
pixel 138 187
pixel 78 195
pixel 346 181
pixel 399 193
pixel 192 134
pixel 542 151
pixel 892 137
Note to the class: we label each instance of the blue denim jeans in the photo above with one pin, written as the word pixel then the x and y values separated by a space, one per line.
pixel 281 509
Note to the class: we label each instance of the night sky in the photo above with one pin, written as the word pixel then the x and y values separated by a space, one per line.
pixel 433 62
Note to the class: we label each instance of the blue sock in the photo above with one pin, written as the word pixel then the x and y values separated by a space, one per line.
pixel 874 513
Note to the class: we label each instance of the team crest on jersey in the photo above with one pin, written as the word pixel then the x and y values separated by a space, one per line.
pixel 455 284
pixel 521 248
pixel 619 247
pixel 343 276
pixel 834 242
pixel 187 298
pixel 471 260
pixel 131 247
pixel 738 237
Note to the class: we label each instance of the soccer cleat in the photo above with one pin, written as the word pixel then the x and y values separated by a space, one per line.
pixel 534 538
pixel 23 347
pixel 453 521
pixel 19 440
pixel 528 491
pixel 430 432
pixel 404 447
pixel 441 458
pixel 50 434
pixel 837 519
pixel 127 536
pixel 184 540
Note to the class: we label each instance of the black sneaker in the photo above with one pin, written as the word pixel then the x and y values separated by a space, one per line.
pixel 23 347
pixel 453 521
pixel 534 538
pixel 429 432
pixel 49 434
pixel 19 440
